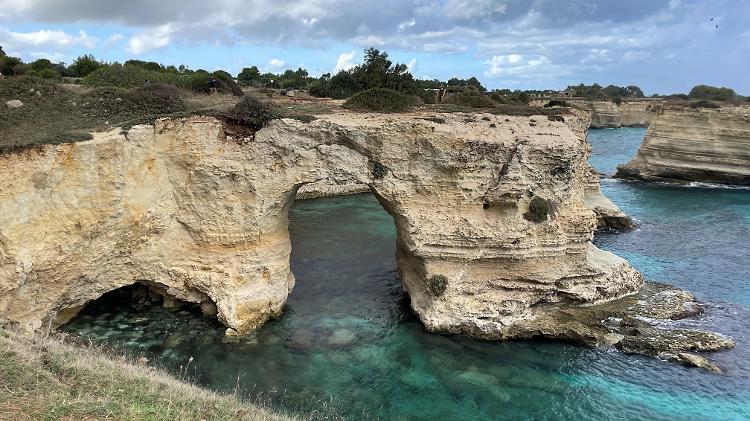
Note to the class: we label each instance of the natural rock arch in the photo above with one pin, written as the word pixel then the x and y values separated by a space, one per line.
pixel 181 204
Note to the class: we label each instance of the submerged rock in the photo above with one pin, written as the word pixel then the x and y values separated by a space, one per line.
pixel 638 324
pixel 342 337
pixel 691 360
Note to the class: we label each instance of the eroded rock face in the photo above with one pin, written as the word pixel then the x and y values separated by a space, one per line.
pixel 605 114
pixel 687 144
pixel 179 206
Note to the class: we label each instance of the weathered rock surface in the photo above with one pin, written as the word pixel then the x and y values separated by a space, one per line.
pixel 609 115
pixel 646 323
pixel 178 205
pixel 687 144
pixel 605 114
pixel 197 217
pixel 14 103
pixel 329 187
pixel 610 218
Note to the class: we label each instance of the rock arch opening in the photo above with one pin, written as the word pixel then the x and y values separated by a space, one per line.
pixel 343 257
pixel 138 297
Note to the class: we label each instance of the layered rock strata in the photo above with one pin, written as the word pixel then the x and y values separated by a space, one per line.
pixel 201 217
pixel 610 218
pixel 609 115
pixel 695 144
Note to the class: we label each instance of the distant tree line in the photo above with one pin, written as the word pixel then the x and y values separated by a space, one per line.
pixel 610 93
pixel 376 71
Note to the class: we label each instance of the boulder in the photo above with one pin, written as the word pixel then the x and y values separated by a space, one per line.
pixel 14 103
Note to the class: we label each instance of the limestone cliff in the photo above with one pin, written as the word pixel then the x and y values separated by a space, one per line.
pixel 606 114
pixel 688 144
pixel 203 217
pixel 609 115
pixel 180 206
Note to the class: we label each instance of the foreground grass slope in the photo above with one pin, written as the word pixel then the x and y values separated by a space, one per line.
pixel 48 378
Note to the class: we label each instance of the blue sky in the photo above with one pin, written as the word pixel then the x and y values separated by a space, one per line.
pixel 664 46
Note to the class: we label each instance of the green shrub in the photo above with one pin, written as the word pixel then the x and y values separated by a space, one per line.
pixel 381 100
pixel 704 104
pixel 128 76
pixel 252 112
pixel 538 210
pixel 48 74
pixel 470 98
pixel 712 93
pixel 437 285
pixel 379 170
pixel 227 83
pixel 557 103
pixel 156 99
pixel 427 96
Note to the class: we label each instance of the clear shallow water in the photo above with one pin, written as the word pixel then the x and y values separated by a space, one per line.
pixel 348 338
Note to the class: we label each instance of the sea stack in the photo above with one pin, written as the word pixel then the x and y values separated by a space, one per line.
pixel 709 145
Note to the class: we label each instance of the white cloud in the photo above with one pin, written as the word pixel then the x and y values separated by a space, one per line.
pixel 45 38
pixel 516 65
pixel 406 24
pixel 345 61
pixel 276 63
pixel 151 39
pixel 113 39
pixel 412 65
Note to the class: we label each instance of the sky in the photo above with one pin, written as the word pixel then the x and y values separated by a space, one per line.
pixel 663 46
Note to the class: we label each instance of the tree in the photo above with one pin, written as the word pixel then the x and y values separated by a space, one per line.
pixel 635 92
pixel 148 65
pixel 711 93
pixel 2 53
pixel 41 64
pixel 84 65
pixel 474 82
pixel 7 63
pixel 249 75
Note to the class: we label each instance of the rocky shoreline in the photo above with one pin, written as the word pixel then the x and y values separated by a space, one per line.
pixel 645 323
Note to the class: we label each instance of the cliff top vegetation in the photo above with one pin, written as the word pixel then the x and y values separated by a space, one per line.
pixel 50 377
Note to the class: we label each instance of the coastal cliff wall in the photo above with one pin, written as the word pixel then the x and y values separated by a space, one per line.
pixel 695 144
pixel 608 115
pixel 203 217
pixel 605 114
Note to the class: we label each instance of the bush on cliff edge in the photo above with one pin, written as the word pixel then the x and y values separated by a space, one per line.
pixel 251 112
pixel 381 100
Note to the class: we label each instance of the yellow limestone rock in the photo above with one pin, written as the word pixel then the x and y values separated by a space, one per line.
pixel 178 206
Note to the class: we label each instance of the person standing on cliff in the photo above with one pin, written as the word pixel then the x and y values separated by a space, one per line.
pixel 211 86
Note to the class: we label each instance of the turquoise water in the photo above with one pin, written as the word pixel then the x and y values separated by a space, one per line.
pixel 347 339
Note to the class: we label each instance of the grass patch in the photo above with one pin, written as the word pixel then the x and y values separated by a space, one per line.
pixel 48 377
pixel 381 100
pixel 54 113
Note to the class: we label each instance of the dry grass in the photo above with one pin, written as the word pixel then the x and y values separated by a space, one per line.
pixel 48 377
